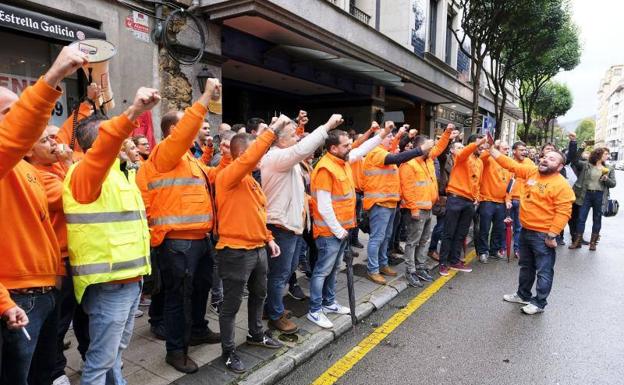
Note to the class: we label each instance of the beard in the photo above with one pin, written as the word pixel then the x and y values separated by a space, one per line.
pixel 546 170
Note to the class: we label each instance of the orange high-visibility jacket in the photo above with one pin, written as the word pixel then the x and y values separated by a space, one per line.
pixel 381 182
pixel 494 180
pixel 334 172
pixel 174 185
pixel 518 187
pixel 465 178
pixel 419 185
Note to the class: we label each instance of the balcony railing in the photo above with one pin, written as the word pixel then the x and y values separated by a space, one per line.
pixel 359 14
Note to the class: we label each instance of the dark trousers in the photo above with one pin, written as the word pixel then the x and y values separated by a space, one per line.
pixel 238 267
pixel 157 307
pixel 491 215
pixel 459 214
pixel 68 310
pixel 398 228
pixel 536 261
pixel 436 234
pixel 573 222
pixel 31 362
pixel 515 216
pixel 186 270
pixel 593 202
pixel 354 232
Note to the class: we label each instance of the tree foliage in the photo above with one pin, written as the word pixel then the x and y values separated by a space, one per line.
pixel 553 100
pixel 586 130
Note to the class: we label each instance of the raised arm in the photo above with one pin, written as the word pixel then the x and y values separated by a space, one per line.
pixel 169 152
pixel 89 174
pixel 365 136
pixel 28 117
pixel 449 134
pixel 521 170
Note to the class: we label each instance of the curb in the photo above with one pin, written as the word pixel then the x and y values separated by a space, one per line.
pixel 281 366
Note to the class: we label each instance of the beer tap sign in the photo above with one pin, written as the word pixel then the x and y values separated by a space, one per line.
pixel 99 52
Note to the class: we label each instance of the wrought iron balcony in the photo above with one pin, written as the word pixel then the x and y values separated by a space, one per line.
pixel 359 14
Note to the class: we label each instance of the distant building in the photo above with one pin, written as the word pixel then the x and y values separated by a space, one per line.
pixel 604 120
pixel 615 122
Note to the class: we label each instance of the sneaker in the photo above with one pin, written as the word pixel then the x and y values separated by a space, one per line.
pixel 62 380
pixel 233 362
pixel 461 266
pixel 517 254
pixel 424 275
pixel 284 325
pixel 206 336
pixel 514 298
pixel 336 308
pixel 320 319
pixel 394 260
pixel 266 341
pixel 145 301
pixel 215 307
pixel 358 245
pixel 158 331
pixel 181 362
pixel 483 258
pixel 531 309
pixel 497 256
pixel 412 280
pixel 444 270
pixel 296 292
pixel 138 313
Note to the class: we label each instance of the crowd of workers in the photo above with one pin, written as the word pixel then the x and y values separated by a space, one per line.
pixel 88 211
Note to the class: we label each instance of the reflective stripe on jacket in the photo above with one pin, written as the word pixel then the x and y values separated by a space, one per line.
pixel 343 195
pixel 108 239
pixel 177 200
pixel 381 182
pixel 419 186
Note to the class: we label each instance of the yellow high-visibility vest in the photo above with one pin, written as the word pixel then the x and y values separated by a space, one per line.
pixel 108 239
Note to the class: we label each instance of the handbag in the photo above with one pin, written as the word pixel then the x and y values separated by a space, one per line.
pixel 612 208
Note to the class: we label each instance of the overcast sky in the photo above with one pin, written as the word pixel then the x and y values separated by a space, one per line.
pixel 600 23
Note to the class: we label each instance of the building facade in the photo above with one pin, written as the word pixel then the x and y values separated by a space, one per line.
pixel 604 122
pixel 614 137
pixel 367 59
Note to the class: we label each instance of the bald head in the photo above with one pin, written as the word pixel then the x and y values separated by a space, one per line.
pixel 7 98
pixel 224 127
pixel 239 144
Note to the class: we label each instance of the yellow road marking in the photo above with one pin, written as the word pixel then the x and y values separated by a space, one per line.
pixel 343 365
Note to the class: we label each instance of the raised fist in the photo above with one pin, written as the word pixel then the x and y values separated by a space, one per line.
pixel 334 121
pixel 67 62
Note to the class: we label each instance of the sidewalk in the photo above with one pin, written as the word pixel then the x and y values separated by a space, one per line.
pixel 144 360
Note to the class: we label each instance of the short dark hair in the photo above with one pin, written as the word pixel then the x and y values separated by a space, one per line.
pixel 239 144
pixel 595 155
pixel 87 130
pixel 333 138
pixel 253 124
pixel 404 142
pixel 168 120
pixel 136 139
pixel 518 144
pixel 237 127
pixel 419 140
pixel 547 144
pixel 227 135
pixel 474 137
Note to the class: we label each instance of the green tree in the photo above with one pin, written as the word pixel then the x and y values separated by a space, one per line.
pixel 586 130
pixel 533 74
pixel 553 100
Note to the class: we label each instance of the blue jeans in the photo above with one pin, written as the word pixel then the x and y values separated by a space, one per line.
pixel 515 215
pixel 491 214
pixel 436 234
pixel 111 309
pixel 593 201
pixel 20 356
pixel 381 222
pixel 459 215
pixel 536 260
pixel 186 269
pixel 323 280
pixel 280 269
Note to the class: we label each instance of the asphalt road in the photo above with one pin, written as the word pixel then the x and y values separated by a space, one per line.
pixel 466 334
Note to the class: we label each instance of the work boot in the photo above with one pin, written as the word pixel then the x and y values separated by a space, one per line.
pixel 284 325
pixel 377 278
pixel 206 336
pixel 387 270
pixel 576 241
pixel 181 362
pixel 594 241
pixel 357 244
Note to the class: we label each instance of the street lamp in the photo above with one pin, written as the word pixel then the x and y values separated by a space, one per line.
pixel 202 77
